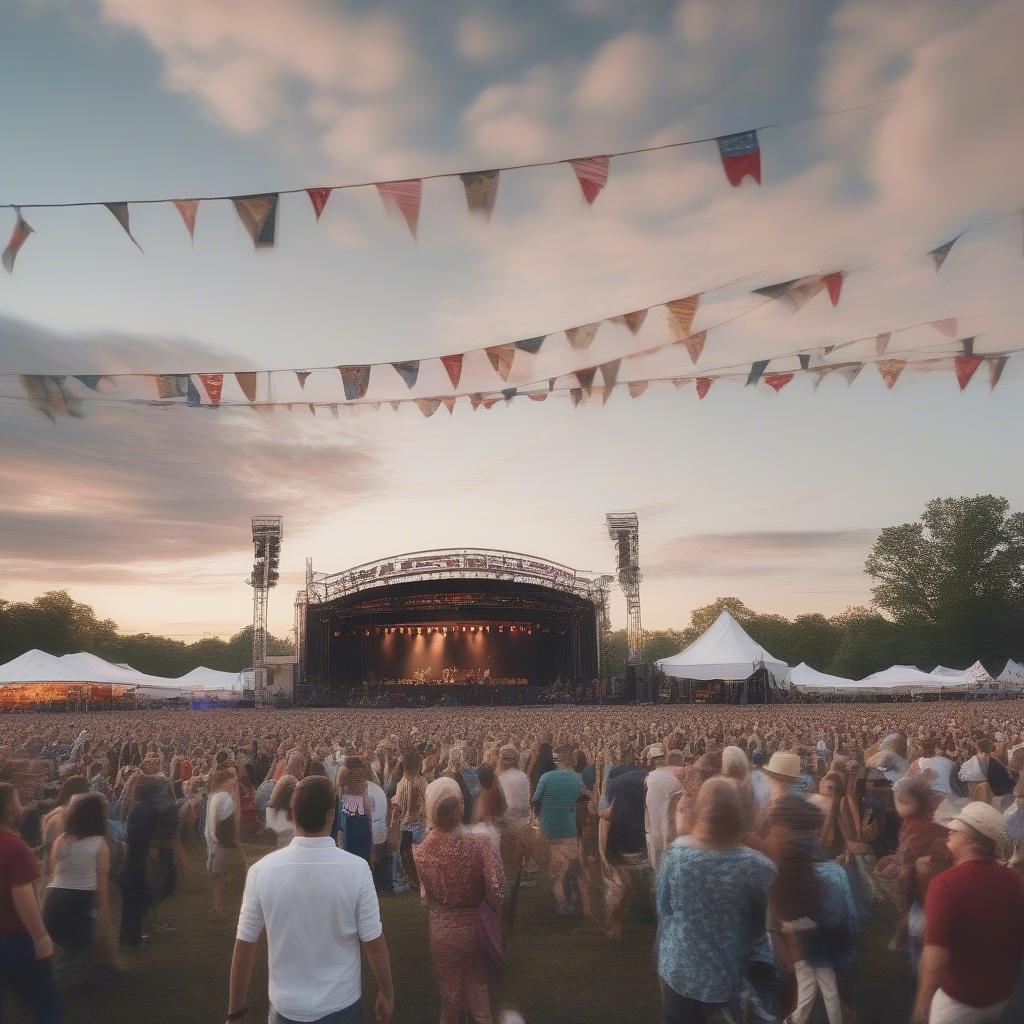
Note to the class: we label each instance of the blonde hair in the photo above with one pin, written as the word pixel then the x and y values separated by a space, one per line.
pixel 735 764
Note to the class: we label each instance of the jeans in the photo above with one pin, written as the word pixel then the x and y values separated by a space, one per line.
pixel 350 1015
pixel 681 1010
pixel 31 980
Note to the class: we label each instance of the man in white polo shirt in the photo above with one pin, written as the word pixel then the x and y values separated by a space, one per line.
pixel 318 906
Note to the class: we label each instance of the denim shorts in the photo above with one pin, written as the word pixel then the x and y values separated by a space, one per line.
pixel 418 833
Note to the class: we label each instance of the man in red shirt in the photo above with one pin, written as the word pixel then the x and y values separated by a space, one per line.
pixel 26 952
pixel 974 927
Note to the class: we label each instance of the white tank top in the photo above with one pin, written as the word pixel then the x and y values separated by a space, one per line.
pixel 74 867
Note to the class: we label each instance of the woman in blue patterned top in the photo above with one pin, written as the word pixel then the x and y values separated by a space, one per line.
pixel 711 900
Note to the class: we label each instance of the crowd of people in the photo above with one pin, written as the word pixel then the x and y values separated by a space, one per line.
pixel 760 837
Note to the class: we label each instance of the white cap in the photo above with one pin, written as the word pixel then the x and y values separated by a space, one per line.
pixel 978 818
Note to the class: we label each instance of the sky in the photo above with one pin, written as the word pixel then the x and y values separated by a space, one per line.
pixel 776 499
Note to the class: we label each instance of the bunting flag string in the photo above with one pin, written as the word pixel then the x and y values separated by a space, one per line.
pixel 502 357
pixel 966 367
pixel 939 254
pixel 453 367
pixel 355 380
pixel 632 321
pixel 890 369
pixel 247 382
pixel 409 371
pixel 531 345
pixel 777 381
pixel 318 197
pixel 582 336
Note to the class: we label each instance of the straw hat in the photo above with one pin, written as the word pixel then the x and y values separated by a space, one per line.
pixel 979 819
pixel 784 765
pixel 656 750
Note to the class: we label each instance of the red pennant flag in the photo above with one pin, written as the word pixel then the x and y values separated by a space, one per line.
pixel 302 376
pixel 947 327
pixel 403 196
pixel 777 381
pixel 247 382
pixel 475 401
pixel 694 344
pixel 188 208
pixel 680 382
pixel 637 388
pixel 586 377
pixel 581 337
pixel 490 402
pixel 741 155
pixel 318 197
pixel 592 173
pixel 996 365
pixel 703 386
pixel 834 283
pixel 449 403
pixel 214 384
pixel 19 235
pixel 501 357
pixel 680 315
pixel 966 366
pixel 536 396
pixel 634 321
pixel 453 366
pixel 890 369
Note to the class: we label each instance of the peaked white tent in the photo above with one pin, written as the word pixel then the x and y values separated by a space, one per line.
pixel 1012 676
pixel 724 651
pixel 810 680
pixel 210 682
pixel 37 666
pixel 910 679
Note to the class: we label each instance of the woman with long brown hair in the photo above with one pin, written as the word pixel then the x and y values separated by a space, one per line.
pixel 409 798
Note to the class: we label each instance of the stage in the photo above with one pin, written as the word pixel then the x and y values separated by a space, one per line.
pixel 467 625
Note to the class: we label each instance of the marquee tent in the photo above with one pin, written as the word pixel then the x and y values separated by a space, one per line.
pixel 910 679
pixel 209 682
pixel 1012 676
pixel 810 680
pixel 724 652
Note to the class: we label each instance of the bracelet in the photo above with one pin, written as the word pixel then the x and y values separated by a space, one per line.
pixel 238 1014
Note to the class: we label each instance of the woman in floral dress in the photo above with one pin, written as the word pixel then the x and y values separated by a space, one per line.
pixel 458 870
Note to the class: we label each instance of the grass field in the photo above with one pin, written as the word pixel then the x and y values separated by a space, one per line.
pixel 560 971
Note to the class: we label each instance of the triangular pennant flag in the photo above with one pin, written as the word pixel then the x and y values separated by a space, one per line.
pixel 606 393
pixel 312 409
pixel 403 196
pixel 90 380
pixel 805 360
pixel 882 343
pixel 192 396
pixel 890 369
pixel 247 382
pixel 939 254
pixel 409 371
pixel 48 395
pixel 834 283
pixel 19 235
pixel 502 357
pixel 796 293
pixel 373 406
pixel 703 386
pixel 741 155
pixel 996 365
pixel 694 344
pixel 475 401
pixel 318 197
pixel 428 406
pixel 171 385
pixel 551 383
pixel 948 327
pixel 188 208
pixel 453 367
pixel 121 215
pixel 355 380
pixel 537 396
pixel 592 173
pixel 968 346
pixel 531 345
pixel 581 337
pixel 302 376
pixel 634 321
pixel 850 372
pixel 610 373
pixel 258 215
pixel 756 369
pixel 509 393
pixel 680 315
pixel 966 366
pixel 637 388
pixel 490 401
pixel 777 381
pixel 214 384
pixel 481 192
pixel 680 382
pixel 827 351
pixel 575 396
pixel 449 403
pixel 395 406
pixel 586 376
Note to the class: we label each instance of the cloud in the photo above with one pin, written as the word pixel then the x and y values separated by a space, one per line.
pixel 126 493
pixel 759 553
pixel 482 37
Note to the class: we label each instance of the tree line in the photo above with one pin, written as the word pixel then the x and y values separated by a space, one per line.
pixel 947 589
pixel 54 622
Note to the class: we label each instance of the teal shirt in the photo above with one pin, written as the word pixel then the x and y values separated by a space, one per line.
pixel 557 793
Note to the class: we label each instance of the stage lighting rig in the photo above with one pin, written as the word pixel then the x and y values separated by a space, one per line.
pixel 267 534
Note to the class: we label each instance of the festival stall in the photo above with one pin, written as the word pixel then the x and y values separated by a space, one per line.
pixel 727 655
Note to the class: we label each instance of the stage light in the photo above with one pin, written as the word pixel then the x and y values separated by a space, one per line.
pixel 337 632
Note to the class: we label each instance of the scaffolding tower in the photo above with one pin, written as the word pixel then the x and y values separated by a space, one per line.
pixel 624 530
pixel 267 534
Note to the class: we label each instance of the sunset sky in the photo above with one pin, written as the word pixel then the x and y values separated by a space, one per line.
pixel 775 499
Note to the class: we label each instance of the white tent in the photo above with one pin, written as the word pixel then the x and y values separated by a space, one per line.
pixel 39 667
pixel 724 652
pixel 1012 676
pixel 209 682
pixel 910 679
pixel 810 680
